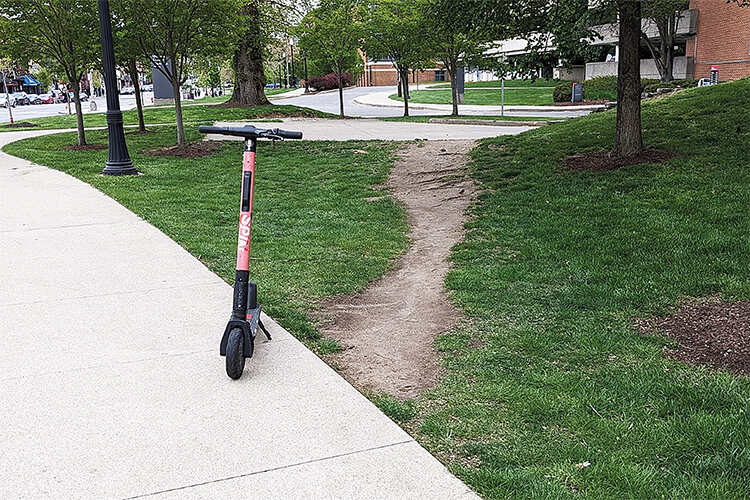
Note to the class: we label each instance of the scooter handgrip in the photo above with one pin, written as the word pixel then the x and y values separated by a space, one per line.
pixel 287 134
pixel 206 129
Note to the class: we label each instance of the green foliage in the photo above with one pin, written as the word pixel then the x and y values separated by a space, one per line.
pixel 175 32
pixel 563 92
pixel 395 30
pixel 332 32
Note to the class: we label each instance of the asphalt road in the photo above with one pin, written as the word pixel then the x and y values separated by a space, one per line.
pixel 325 101
pixel 29 112
pixel 329 102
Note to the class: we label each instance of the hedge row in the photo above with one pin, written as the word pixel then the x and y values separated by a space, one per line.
pixel 330 81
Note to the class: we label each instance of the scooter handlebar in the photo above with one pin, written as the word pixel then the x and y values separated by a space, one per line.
pixel 249 132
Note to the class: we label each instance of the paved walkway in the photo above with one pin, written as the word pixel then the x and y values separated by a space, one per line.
pixel 382 100
pixel 112 386
pixel 344 130
pixel 329 102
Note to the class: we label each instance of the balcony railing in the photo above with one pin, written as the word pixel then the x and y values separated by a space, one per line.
pixel 686 28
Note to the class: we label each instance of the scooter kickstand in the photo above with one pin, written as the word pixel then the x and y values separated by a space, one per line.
pixel 263 327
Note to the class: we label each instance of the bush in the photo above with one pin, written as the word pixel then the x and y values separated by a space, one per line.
pixel 330 81
pixel 563 91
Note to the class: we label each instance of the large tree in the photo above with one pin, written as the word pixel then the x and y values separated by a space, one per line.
pixel 394 30
pixel 172 33
pixel 130 55
pixel 332 32
pixel 628 132
pixel 261 24
pixel 63 31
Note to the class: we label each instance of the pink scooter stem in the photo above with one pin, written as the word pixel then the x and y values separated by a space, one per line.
pixel 246 208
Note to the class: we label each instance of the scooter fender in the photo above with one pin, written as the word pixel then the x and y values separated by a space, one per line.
pixel 247 333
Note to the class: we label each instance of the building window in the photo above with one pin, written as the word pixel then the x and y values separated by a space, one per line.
pixel 440 75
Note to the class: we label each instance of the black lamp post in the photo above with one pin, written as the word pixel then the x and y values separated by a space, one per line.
pixel 307 84
pixel 118 162
pixel 294 82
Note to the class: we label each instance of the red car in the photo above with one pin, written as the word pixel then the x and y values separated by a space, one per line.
pixel 47 98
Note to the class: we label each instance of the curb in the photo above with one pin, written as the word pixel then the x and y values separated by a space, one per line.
pixel 491 123
pixel 433 107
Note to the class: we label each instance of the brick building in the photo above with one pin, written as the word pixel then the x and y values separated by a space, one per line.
pixel 709 33
pixel 377 73
pixel 722 39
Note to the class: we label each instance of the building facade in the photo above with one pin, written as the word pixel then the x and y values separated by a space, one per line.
pixel 722 39
pixel 710 33
pixel 378 73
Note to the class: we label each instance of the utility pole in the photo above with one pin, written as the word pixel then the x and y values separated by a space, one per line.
pixel 307 83
pixel 291 48
pixel 7 97
pixel 118 162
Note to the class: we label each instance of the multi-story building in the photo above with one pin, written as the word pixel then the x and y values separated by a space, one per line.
pixel 709 33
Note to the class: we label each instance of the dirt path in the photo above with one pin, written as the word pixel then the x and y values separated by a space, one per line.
pixel 387 331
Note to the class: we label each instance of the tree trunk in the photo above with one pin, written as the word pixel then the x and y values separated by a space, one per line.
pixel 454 90
pixel 178 114
pixel 133 70
pixel 251 78
pixel 405 83
pixel 79 116
pixel 628 135
pixel 341 94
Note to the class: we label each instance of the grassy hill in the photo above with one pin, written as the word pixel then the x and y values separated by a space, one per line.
pixel 550 390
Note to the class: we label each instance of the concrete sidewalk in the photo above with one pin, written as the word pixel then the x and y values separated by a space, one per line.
pixel 112 386
pixel 318 129
pixel 381 99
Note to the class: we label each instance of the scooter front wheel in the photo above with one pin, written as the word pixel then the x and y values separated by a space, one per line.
pixel 235 353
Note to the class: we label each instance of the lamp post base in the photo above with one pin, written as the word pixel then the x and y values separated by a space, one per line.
pixel 119 168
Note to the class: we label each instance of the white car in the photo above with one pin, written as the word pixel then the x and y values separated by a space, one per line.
pixel 127 91
pixel 4 101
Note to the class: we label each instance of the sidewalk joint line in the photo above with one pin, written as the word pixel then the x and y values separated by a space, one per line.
pixel 272 469
pixel 112 294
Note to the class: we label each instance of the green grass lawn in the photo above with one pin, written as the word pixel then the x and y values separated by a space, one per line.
pixel 192 112
pixel 426 119
pixel 314 235
pixel 548 371
pixel 522 96
pixel 539 82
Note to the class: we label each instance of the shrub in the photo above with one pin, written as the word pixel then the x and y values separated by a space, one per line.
pixel 330 81
pixel 563 91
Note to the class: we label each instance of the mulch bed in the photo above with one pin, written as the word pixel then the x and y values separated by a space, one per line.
pixel 21 125
pixel 194 150
pixel 711 333
pixel 603 161
pixel 86 147
pixel 139 132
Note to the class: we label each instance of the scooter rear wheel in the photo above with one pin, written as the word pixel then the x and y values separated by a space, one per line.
pixel 235 353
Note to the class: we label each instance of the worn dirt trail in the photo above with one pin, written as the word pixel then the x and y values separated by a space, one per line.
pixel 387 331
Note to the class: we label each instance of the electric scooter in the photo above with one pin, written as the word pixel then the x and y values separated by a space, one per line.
pixel 238 341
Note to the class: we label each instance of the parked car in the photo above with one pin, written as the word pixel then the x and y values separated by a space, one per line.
pixel 48 98
pixel 273 85
pixel 147 88
pixel 84 97
pixel 127 91
pixel 21 98
pixel 10 99
pixel 35 99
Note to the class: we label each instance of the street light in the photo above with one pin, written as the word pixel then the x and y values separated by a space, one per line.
pixel 307 84
pixel 118 162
